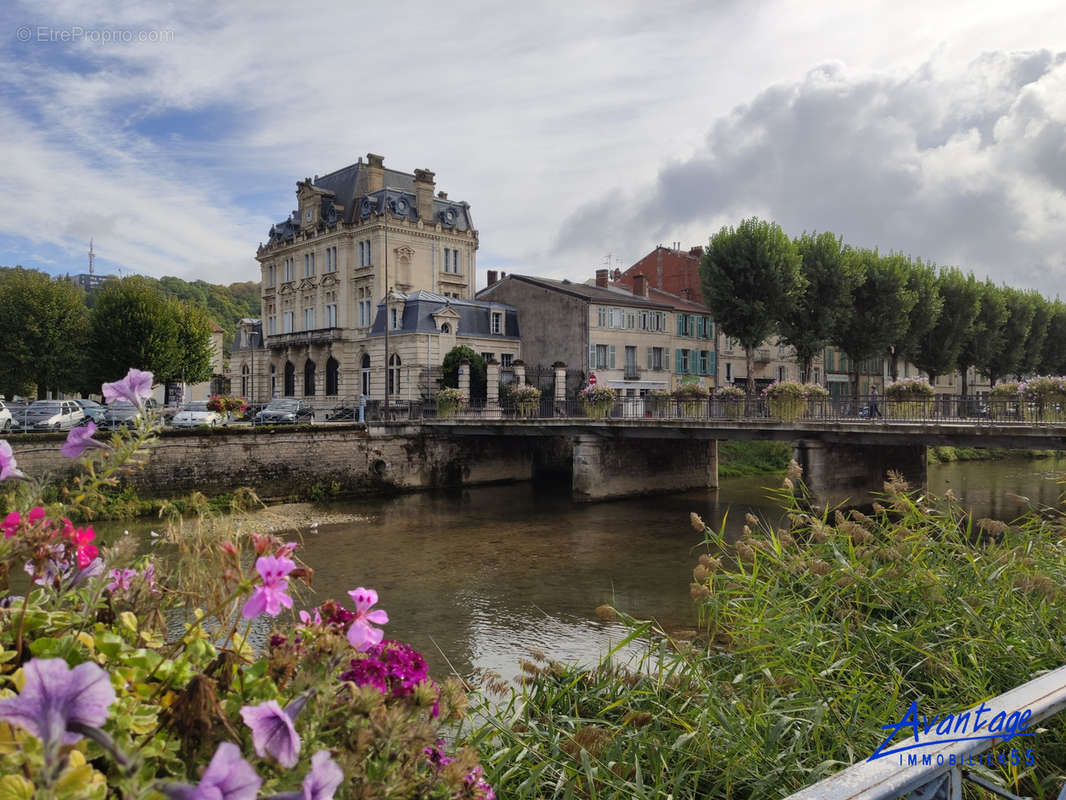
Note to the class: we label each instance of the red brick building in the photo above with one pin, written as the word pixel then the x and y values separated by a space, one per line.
pixel 675 271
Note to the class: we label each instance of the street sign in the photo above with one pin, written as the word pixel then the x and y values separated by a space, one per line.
pixel 592 379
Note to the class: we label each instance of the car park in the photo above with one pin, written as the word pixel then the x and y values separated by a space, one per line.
pixel 285 411
pixel 53 415
pixel 124 414
pixel 193 415
pixel 93 411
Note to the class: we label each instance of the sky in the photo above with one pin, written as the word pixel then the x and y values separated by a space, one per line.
pixel 582 134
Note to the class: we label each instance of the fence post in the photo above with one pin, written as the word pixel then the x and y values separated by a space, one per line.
pixel 560 388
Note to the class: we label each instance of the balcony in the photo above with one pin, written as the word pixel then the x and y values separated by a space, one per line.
pixel 631 373
pixel 762 356
pixel 298 338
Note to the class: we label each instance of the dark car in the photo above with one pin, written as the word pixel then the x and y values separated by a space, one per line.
pixel 123 413
pixel 285 411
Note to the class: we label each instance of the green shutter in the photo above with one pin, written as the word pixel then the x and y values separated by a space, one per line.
pixel 610 357
pixel 677 361
pixel 592 357
pixel 693 365
pixel 649 358
pixel 691 324
pixel 713 370
pixel 680 325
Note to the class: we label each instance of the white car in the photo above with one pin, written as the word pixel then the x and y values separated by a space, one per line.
pixel 53 415
pixel 193 415
pixel 6 420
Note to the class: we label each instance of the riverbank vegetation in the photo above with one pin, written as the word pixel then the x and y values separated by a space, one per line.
pixel 810 638
pixel 743 459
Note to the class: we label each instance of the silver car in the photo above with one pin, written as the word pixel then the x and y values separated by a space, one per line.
pixel 53 415
pixel 6 420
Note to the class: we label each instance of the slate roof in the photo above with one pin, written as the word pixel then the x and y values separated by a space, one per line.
pixel 419 307
pixel 593 294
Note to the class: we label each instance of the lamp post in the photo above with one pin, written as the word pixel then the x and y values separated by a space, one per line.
pixel 252 336
pixel 386 217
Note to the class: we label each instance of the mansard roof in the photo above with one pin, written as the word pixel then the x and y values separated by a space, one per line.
pixel 474 315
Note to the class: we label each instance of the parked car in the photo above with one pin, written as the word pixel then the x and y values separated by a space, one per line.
pixel 193 415
pixel 123 413
pixel 53 415
pixel 285 410
pixel 93 411
pixel 6 419
pixel 251 412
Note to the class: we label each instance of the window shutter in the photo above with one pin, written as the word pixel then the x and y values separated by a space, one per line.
pixel 677 361
pixel 680 325
pixel 649 358
pixel 610 363
pixel 713 361
pixel 691 324
pixel 693 365
pixel 592 357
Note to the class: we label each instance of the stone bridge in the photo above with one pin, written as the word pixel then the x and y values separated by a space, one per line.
pixel 842 460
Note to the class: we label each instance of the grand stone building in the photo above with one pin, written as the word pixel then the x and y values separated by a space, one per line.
pixel 324 284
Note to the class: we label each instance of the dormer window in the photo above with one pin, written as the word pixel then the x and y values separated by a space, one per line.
pixel 497 322
pixel 445 328
pixel 394 318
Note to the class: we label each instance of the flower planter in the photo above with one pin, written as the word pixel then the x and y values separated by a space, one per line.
pixel 598 410
pixel 787 409
pixel 528 408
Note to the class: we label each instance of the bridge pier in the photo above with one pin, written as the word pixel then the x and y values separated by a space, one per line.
pixel 852 473
pixel 606 468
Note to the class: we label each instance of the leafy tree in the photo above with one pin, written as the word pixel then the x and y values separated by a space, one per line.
pixel 133 325
pixel 194 344
pixel 832 272
pixel 1033 351
pixel 937 351
pixel 879 314
pixel 985 340
pixel 928 305
pixel 1053 354
pixel 450 368
pixel 1009 359
pixel 43 327
pixel 751 277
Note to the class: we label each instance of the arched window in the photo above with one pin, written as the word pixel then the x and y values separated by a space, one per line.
pixel 394 374
pixel 290 379
pixel 366 375
pixel 445 327
pixel 333 375
pixel 309 378
pixel 245 372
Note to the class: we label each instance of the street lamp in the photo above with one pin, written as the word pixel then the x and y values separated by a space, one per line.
pixel 252 336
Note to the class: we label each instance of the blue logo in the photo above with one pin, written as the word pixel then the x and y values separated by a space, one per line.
pixel 939 729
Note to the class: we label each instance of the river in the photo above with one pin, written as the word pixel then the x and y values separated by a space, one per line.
pixel 477 578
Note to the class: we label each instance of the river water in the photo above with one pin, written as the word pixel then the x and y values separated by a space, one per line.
pixel 477 578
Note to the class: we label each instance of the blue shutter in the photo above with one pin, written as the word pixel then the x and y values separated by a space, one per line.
pixel 693 365
pixel 691 324
pixel 713 361
pixel 677 361
pixel 680 325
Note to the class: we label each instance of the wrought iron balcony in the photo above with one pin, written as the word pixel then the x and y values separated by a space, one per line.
pixel 632 372
pixel 297 338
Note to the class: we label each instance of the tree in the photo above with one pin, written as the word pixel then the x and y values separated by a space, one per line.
pixel 928 305
pixel 1010 357
pixel 450 368
pixel 985 341
pixel 878 316
pixel 196 350
pixel 751 277
pixel 1053 355
pixel 44 329
pixel 832 272
pixel 133 325
pixel 1033 351
pixel 938 348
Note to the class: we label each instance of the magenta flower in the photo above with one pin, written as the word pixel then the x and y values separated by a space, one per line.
pixel 81 538
pixel 362 636
pixel 135 387
pixel 271 595
pixel 273 732
pixel 8 467
pixel 79 440
pixel 54 697
pixel 11 524
pixel 36 515
pixel 121 580
pixel 228 777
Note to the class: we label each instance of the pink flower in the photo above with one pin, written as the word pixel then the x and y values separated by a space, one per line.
pixel 135 387
pixel 81 538
pixel 11 524
pixel 271 595
pixel 79 440
pixel 8 467
pixel 36 515
pixel 362 636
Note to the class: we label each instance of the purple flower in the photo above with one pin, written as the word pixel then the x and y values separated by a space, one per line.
pixel 362 636
pixel 121 580
pixel 79 440
pixel 323 779
pixel 271 595
pixel 273 732
pixel 54 696
pixel 8 467
pixel 228 777
pixel 135 387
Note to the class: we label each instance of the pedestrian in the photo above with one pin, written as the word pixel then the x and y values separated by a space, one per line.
pixel 874 410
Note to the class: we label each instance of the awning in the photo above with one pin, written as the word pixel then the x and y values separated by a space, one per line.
pixel 636 384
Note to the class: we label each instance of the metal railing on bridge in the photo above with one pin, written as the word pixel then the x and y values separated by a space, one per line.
pixel 873 409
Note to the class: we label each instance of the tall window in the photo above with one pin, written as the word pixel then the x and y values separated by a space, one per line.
pixel 272 325
pixel 506 360
pixel 333 369
pixel 655 358
pixel 331 315
pixel 290 379
pixel 331 259
pixel 273 381
pixel 366 374
pixel 271 274
pixel 288 276
pixel 309 319
pixel 394 318
pixel 394 374
pixel 309 264
pixel 497 322
pixel 309 378
pixel 364 253
pixel 286 321
pixel 245 372
pixel 451 260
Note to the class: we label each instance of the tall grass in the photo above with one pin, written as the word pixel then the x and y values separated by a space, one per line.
pixel 810 638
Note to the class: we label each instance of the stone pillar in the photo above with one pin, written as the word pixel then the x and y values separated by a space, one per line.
pixel 464 378
pixel 519 372
pixel 852 474
pixel 560 389
pixel 712 464
pixel 492 389
pixel 605 469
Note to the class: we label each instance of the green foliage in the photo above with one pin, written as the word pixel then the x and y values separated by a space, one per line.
pixel 224 305
pixel 983 346
pixel 450 369
pixel 194 343
pixel 44 328
pixel 922 280
pixel 938 347
pixel 751 275
pixel 1009 359
pixel 1033 351
pixel 832 273
pixel 1053 354
pixel 810 637
pixel 743 459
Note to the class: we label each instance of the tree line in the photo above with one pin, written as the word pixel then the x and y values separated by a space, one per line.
pixel 57 339
pixel 815 291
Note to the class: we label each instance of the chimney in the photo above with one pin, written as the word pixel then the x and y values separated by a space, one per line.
pixel 424 194
pixel 493 278
pixel 601 278
pixel 686 293
pixel 375 172
pixel 640 285
pixel 502 274
pixel 696 251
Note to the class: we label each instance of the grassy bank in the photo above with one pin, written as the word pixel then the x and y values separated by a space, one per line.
pixel 741 459
pixel 946 455
pixel 810 639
